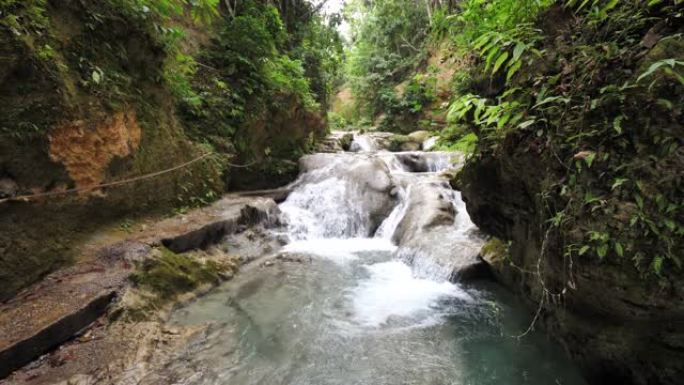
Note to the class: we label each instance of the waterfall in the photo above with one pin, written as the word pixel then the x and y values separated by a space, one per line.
pixel 354 197
pixel 363 143
pixel 389 225
pixel 430 143
pixel 323 210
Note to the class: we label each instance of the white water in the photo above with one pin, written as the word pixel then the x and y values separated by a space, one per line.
pixel 389 225
pixel 323 209
pixel 363 311
pixel 339 250
pixel 392 290
pixel 430 143
pixel 363 143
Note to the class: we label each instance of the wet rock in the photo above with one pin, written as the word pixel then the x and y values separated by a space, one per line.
pixel 419 136
pixel 410 146
pixel 413 161
pixel 430 232
pixel 19 350
pixel 346 141
pixel 337 141
pixel 430 143
pixel 259 212
pixel 8 188
pixel 265 212
pixel 610 319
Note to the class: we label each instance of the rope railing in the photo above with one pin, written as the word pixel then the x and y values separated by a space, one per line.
pixel 28 197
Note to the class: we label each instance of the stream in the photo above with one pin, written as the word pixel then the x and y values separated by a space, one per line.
pixel 363 291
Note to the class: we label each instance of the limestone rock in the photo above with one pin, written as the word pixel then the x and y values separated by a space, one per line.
pixel 419 136
pixel 611 321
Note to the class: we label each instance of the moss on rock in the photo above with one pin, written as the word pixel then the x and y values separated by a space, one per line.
pixel 169 274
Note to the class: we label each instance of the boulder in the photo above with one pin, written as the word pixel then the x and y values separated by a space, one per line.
pixel 419 136
pixel 410 146
pixel 403 143
pixel 435 235
pixel 8 188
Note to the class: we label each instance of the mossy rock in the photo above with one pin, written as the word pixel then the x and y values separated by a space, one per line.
pixel 494 252
pixel 346 141
pixel 420 136
pixel 170 274
pixel 402 143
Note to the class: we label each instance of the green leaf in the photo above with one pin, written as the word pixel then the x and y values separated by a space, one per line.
pixel 512 70
pixel 639 201
pixel 657 264
pixel 602 250
pixel 551 99
pixel 96 77
pixel 654 67
pixel 518 51
pixel 583 250
pixel 526 123
pixel 617 124
pixel 489 58
pixel 611 4
pixel 618 182
pixel 670 224
pixel 589 159
pixel 499 61
pixel 619 250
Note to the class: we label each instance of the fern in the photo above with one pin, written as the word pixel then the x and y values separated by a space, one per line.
pixel 507 50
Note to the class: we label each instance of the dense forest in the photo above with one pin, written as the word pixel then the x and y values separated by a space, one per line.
pixel 144 146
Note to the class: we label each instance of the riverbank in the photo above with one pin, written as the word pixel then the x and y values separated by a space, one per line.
pixel 370 252
pixel 71 314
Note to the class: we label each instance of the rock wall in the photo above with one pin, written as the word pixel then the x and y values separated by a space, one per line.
pixel 617 325
pixel 84 101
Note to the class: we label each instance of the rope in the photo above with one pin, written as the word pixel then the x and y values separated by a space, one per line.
pixel 116 183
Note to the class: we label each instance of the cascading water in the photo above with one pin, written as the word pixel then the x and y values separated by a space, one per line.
pixel 389 225
pixel 363 143
pixel 361 294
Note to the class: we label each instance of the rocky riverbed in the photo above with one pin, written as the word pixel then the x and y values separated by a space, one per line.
pixel 365 269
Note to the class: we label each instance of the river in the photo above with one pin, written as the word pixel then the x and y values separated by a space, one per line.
pixel 365 291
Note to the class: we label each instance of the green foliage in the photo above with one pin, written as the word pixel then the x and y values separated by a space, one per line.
pixel 337 122
pixel 507 49
pixel 490 118
pixel 23 17
pixel 480 17
pixel 258 63
pixel 604 112
pixel 463 143
pixel 388 41
pixel 402 112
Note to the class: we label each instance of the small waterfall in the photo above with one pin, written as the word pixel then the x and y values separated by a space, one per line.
pixel 392 162
pixel 440 161
pixel 338 196
pixel 446 249
pixel 323 210
pixel 430 143
pixel 389 225
pixel 337 199
pixel 363 143
pixel 424 266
